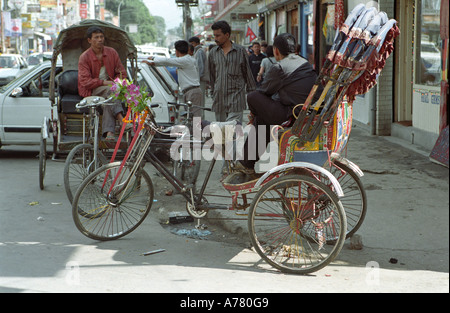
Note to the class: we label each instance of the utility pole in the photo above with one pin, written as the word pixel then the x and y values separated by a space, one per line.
pixel 118 12
pixel 187 18
pixel 2 25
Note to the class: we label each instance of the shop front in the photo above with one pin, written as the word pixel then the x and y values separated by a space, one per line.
pixel 419 115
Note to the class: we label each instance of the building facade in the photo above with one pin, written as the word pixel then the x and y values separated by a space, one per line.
pixel 410 100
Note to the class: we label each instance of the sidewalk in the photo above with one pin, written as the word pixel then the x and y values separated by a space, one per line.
pixel 407 217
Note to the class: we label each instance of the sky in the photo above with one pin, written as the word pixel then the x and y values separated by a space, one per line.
pixel 167 9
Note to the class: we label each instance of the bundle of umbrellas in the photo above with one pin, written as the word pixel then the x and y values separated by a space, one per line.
pixel 352 66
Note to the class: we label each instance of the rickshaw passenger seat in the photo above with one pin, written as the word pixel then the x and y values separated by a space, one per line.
pixel 68 92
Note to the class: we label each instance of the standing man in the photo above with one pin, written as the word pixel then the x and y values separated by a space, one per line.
pixel 98 66
pixel 202 65
pixel 229 75
pixel 255 61
pixel 187 73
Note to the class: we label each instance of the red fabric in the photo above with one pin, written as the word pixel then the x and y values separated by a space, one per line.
pixel 444 27
pixel 373 67
pixel 89 69
pixel 443 122
pixel 339 17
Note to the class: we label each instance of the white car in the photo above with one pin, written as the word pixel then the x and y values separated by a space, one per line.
pixel 37 58
pixel 24 104
pixel 11 67
pixel 431 61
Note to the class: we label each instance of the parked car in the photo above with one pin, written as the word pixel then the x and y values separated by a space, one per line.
pixel 431 63
pixel 11 67
pixel 37 58
pixel 163 73
pixel 160 93
pixel 24 103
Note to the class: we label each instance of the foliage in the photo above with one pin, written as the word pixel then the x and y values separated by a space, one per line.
pixel 150 28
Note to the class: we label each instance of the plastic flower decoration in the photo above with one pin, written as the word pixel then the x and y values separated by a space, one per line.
pixel 134 96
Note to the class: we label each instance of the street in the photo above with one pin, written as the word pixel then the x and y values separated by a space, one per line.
pixel 405 236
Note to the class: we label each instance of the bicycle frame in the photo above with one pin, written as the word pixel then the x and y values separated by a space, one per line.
pixel 94 121
pixel 139 149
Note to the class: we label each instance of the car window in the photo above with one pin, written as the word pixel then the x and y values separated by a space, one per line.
pixel 23 61
pixel 33 60
pixel 13 82
pixel 161 80
pixel 8 62
pixel 429 48
pixel 143 84
pixel 38 85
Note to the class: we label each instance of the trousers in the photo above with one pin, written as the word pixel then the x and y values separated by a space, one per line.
pixel 196 97
pixel 110 112
pixel 267 112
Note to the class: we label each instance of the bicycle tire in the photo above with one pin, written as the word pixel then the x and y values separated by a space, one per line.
pixel 354 200
pixel 75 172
pixel 100 216
pixel 186 170
pixel 297 224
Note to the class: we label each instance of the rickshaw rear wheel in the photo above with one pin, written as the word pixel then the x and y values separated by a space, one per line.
pixel 354 200
pixel 297 224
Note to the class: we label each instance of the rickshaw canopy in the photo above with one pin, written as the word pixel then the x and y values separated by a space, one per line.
pixel 72 42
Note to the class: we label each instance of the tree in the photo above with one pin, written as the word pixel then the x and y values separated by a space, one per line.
pixel 136 12
pixel 160 24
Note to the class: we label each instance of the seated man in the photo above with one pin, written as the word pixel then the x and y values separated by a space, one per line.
pixel 287 84
pixel 97 68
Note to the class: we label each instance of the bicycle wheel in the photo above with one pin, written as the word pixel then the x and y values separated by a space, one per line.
pixel 79 164
pixel 297 224
pixel 354 200
pixel 104 213
pixel 186 170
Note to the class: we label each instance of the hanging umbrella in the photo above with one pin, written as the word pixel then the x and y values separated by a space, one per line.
pixel 357 62
pixel 368 20
pixel 363 75
pixel 339 39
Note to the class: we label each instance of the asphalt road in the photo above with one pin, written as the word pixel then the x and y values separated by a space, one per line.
pixel 405 235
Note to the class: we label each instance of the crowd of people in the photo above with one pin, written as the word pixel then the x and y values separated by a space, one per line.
pixel 268 79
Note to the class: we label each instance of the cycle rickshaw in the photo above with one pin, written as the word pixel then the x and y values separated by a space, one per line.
pixel 75 131
pixel 296 219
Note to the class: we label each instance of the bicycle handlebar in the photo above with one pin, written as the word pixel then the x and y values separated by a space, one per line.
pixel 93 101
pixel 96 101
pixel 189 105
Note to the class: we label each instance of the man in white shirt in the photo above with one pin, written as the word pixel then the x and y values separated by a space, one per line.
pixel 188 77
pixel 202 64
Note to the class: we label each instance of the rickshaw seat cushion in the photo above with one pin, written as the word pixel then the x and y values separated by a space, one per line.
pixel 68 103
pixel 68 82
pixel 68 92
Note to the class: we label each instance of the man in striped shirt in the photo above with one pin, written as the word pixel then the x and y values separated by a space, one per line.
pixel 230 75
